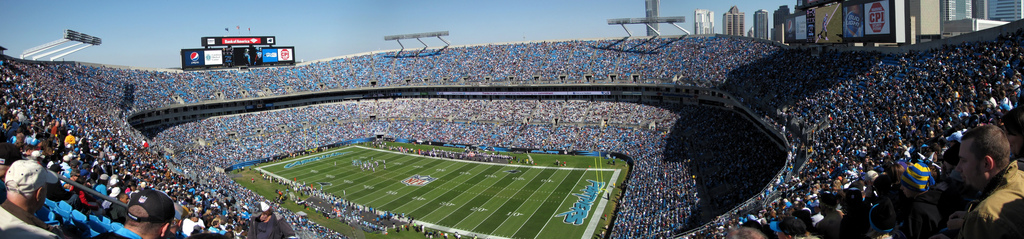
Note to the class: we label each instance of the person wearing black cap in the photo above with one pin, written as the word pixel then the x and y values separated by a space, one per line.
pixel 791 227
pixel 828 227
pixel 951 184
pixel 854 224
pixel 882 218
pixel 8 154
pixel 151 215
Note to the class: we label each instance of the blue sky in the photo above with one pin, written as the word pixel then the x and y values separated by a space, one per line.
pixel 151 33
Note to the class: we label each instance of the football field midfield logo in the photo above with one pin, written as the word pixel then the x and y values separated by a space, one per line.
pixel 417 180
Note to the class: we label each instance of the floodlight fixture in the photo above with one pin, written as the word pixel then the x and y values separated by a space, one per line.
pixel 648 21
pixel 69 36
pixel 417 36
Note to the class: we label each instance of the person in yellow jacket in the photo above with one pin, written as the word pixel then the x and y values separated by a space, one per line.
pixel 985 165
pixel 69 140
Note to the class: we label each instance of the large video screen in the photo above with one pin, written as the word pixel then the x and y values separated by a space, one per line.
pixel 828 24
pixel 255 56
pixel 874 21
pixel 238 40
pixel 201 57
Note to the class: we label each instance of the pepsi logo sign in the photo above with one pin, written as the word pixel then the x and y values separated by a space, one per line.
pixel 194 56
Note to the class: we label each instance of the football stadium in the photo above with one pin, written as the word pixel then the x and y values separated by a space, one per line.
pixel 842 119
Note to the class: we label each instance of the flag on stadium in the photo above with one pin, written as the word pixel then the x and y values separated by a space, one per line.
pixel 238 27
pixel 226 29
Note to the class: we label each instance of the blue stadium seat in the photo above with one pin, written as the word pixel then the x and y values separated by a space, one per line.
pixel 47 216
pixel 116 226
pixel 96 224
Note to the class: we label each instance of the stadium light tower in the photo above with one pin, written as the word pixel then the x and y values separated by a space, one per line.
pixel 649 21
pixel 69 36
pixel 417 36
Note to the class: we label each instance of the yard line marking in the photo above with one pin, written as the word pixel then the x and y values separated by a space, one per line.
pixel 500 164
pixel 534 211
pixel 559 206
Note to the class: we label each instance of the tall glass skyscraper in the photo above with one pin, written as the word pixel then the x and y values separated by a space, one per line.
pixel 1005 10
pixel 761 24
pixel 953 10
pixel 703 21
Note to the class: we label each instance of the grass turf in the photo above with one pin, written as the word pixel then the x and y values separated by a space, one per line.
pixel 479 198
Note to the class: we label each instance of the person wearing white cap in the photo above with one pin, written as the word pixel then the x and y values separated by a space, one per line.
pixel 26 191
pixel 269 225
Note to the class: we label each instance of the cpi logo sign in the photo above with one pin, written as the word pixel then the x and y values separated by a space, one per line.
pixel 284 54
pixel 877 16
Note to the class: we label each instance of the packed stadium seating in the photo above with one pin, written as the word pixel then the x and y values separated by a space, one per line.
pixel 864 111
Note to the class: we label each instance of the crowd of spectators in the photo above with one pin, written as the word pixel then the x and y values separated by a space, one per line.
pixel 73 125
pixel 869 112
pixel 698 61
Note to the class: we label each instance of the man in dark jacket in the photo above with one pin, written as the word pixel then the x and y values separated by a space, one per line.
pixel 269 225
pixel 829 226
pixel 922 215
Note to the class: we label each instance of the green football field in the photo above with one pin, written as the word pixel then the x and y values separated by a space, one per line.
pixel 472 198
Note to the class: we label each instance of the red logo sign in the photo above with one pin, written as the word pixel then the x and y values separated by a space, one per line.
pixel 286 55
pixel 876 17
pixel 253 40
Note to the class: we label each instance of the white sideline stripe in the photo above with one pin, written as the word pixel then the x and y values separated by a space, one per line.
pixel 464 233
pixel 600 207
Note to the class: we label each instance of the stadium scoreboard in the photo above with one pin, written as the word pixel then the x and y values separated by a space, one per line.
pixel 237 51
pixel 869 21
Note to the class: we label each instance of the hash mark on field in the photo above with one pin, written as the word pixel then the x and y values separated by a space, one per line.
pixel 520 178
pixel 418 166
pixel 329 176
pixel 314 171
pixel 397 163
pixel 492 176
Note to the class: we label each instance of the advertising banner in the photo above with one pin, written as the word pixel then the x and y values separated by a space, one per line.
pixel 269 55
pixel 877 16
pixel 530 93
pixel 853 20
pixel 214 57
pixel 285 54
pixel 192 58
pixel 801 28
